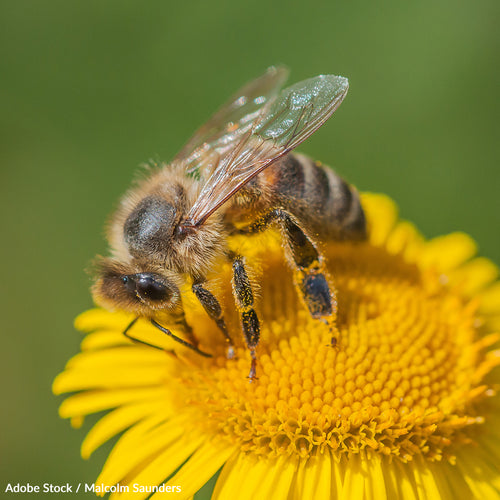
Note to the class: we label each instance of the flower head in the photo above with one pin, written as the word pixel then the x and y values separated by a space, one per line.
pixel 403 407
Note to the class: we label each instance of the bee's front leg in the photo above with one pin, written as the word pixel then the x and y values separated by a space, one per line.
pixel 243 297
pixel 165 331
pixel 214 310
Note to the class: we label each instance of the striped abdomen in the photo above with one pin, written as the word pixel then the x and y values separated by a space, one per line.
pixel 321 200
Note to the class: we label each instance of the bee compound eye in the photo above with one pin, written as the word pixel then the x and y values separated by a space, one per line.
pixel 151 289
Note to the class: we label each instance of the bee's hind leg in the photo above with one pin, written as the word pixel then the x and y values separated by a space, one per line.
pixel 309 272
pixel 214 310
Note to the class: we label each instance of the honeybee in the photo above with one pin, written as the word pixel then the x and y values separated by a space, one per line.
pixel 174 225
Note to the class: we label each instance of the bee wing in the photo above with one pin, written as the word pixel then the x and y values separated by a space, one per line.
pixel 202 152
pixel 281 126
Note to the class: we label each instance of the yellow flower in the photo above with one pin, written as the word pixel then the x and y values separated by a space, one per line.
pixel 403 408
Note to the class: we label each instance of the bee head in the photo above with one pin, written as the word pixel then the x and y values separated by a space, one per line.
pixel 123 286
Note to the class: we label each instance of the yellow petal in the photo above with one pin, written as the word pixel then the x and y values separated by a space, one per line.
pixel 98 318
pixel 142 446
pixel 381 213
pixel 338 474
pixel 481 472
pixel 425 481
pixel 490 299
pixel 492 323
pixel 398 480
pixel 94 401
pixel 156 470
pixel 354 480
pixel 375 478
pixel 77 380
pixel 228 484
pixel 404 239
pixel 445 253
pixel 449 481
pixel 473 276
pixel 250 477
pixel 313 478
pixel 200 467
pixel 104 338
pixel 118 420
pixel 130 356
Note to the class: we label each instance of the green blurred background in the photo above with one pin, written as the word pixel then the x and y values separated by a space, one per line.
pixel 89 90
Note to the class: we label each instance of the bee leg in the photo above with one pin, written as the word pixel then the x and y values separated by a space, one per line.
pixel 243 297
pixel 179 319
pixel 134 340
pixel 310 271
pixel 308 262
pixel 164 330
pixel 214 310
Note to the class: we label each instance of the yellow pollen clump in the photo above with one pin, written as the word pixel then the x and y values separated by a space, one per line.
pixel 402 381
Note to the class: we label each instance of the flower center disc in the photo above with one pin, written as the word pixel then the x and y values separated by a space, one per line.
pixel 399 383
